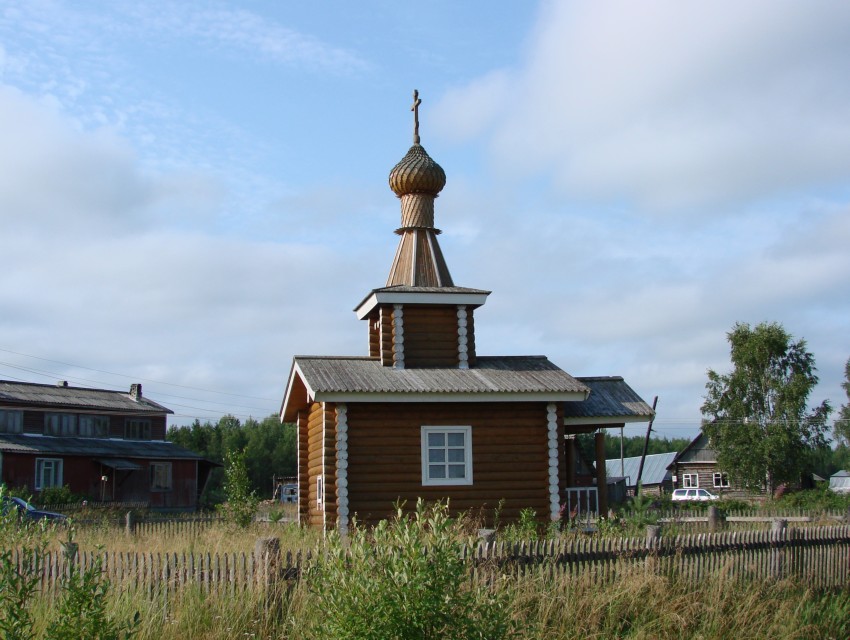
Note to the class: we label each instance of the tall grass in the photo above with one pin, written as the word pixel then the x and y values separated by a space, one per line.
pixel 388 570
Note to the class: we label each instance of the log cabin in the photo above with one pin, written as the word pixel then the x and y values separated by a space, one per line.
pixel 105 445
pixel 424 415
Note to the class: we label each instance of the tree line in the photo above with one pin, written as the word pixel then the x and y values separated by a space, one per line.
pixel 268 448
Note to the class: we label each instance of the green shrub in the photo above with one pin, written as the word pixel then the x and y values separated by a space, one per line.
pixel 58 495
pixel 818 499
pixel 525 529
pixel 242 501
pixel 405 578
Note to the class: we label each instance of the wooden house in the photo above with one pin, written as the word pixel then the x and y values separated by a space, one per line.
pixel 107 445
pixel 424 415
pixel 696 466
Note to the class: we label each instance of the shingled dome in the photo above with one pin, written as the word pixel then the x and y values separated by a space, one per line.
pixel 417 173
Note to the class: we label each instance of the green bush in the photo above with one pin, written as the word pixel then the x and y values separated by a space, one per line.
pixel 242 501
pixel 404 579
pixel 58 495
pixel 818 499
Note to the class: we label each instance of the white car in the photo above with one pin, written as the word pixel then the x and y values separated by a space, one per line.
pixel 680 495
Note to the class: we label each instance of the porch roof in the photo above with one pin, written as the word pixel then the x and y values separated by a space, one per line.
pixel 94 447
pixel 611 401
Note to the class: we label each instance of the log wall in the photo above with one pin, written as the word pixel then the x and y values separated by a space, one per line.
pixel 321 461
pixel 430 336
pixel 509 449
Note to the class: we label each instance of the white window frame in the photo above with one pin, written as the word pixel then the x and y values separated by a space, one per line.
pixel 427 480
pixel 690 481
pixel 161 478
pixel 56 468
pixel 721 480
pixel 11 421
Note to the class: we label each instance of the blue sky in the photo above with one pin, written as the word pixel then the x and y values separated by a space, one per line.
pixel 192 193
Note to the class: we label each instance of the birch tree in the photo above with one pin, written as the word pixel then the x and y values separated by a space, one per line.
pixel 757 416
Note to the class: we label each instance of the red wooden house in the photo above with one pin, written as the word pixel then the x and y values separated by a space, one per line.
pixel 424 415
pixel 108 445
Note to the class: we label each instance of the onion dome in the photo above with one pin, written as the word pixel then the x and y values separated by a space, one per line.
pixel 417 173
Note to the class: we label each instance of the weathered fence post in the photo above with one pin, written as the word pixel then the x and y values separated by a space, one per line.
pixel 130 523
pixel 713 519
pixel 653 534
pixel 777 544
pixel 267 556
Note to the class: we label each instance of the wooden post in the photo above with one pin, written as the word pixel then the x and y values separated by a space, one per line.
pixel 130 523
pixel 777 542
pixel 601 477
pixel 653 534
pixel 713 519
pixel 267 558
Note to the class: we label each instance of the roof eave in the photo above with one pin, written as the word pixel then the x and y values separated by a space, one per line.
pixel 376 298
pixel 407 396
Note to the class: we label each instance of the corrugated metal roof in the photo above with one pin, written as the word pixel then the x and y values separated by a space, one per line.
pixel 55 396
pixel 491 375
pixel 654 468
pixel 609 396
pixel 95 447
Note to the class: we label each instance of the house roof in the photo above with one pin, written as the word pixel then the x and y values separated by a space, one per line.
pixel 492 379
pixel 610 400
pixel 699 441
pixel 101 448
pixel 654 469
pixel 26 394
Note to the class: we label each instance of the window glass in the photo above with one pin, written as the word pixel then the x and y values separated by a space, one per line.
pixel 160 476
pixel 60 424
pixel 137 429
pixel 11 421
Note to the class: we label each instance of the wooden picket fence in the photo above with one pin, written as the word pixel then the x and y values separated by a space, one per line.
pixel 817 556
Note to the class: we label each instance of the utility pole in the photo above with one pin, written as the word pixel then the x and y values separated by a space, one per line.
pixel 645 446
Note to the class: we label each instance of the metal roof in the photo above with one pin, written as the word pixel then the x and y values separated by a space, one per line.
pixel 62 397
pixel 654 469
pixel 490 375
pixel 610 397
pixel 362 379
pixel 102 448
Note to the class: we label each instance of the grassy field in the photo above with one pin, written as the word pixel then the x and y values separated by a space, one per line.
pixel 379 584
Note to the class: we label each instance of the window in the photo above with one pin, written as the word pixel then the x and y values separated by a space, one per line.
pixel 60 424
pixel 690 480
pixel 93 426
pixel 48 473
pixel 446 455
pixel 721 481
pixel 160 476
pixel 320 491
pixel 137 429
pixel 11 421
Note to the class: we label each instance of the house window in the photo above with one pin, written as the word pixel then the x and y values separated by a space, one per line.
pixel 48 473
pixel 320 491
pixel 137 429
pixel 11 421
pixel 89 426
pixel 60 424
pixel 721 481
pixel 160 476
pixel 690 480
pixel 446 455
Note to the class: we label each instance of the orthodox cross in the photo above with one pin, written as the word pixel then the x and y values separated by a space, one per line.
pixel 415 110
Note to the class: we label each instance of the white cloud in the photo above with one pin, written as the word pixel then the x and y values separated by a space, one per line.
pixel 673 105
